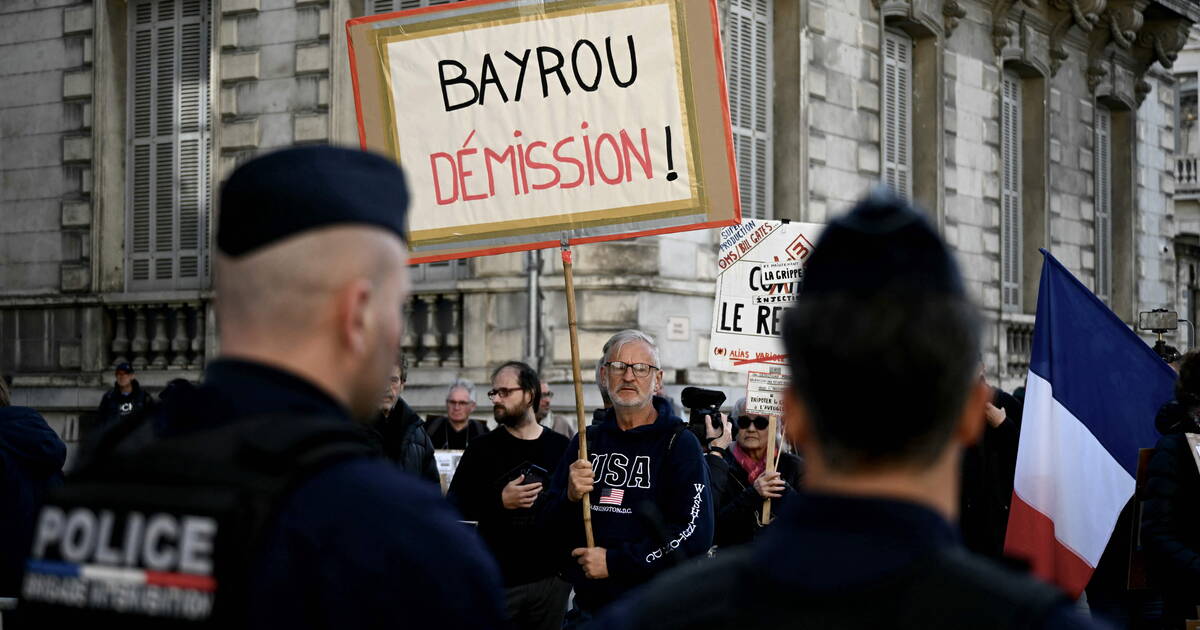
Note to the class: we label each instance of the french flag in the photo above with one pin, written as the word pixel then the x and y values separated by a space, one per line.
pixel 1094 388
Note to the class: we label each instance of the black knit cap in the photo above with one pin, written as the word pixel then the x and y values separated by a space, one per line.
pixel 882 244
pixel 294 190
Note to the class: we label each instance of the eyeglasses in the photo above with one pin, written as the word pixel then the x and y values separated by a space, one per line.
pixel 459 403
pixel 503 392
pixel 548 395
pixel 640 370
pixel 759 422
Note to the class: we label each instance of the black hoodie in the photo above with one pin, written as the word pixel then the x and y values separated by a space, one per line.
pixel 651 503
pixel 31 461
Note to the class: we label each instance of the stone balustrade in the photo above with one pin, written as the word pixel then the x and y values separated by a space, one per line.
pixel 1187 175
pixel 433 329
pixel 1018 343
pixel 156 336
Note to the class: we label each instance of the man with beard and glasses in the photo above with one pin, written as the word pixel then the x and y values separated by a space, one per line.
pixel 498 483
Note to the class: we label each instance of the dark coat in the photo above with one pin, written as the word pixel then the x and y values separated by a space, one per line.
pixel 405 442
pixel 739 506
pixel 439 431
pixel 987 481
pixel 845 562
pixel 1171 517
pixel 31 461
pixel 130 409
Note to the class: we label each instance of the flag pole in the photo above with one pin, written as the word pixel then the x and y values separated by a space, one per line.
pixel 572 325
pixel 772 424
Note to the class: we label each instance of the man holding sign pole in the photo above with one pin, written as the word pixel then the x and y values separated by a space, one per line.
pixel 650 499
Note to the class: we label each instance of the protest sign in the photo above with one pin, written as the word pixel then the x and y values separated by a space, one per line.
pixel 521 122
pixel 764 393
pixel 447 462
pixel 760 273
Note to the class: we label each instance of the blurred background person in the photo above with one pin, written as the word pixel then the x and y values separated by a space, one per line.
pixel 456 429
pixel 1171 516
pixel 400 431
pixel 31 461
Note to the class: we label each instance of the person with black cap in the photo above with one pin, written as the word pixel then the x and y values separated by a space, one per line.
pixel 869 542
pixel 126 403
pixel 263 504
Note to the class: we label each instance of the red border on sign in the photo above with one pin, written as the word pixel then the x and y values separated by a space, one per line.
pixel 737 203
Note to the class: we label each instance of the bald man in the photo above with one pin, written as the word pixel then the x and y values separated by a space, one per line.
pixel 310 280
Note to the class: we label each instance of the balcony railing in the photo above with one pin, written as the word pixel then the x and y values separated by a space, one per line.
pixel 1187 174
pixel 156 336
pixel 433 334
pixel 1018 343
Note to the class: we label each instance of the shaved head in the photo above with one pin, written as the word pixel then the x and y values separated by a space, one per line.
pixel 325 303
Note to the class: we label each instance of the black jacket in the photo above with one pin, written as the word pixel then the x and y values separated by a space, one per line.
pixel 738 504
pixel 130 408
pixel 31 461
pixel 987 481
pixel 1171 516
pixel 845 562
pixel 404 441
pixel 441 434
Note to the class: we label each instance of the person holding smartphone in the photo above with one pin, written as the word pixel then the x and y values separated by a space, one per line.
pixel 498 484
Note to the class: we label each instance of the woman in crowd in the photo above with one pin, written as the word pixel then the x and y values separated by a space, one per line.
pixel 747 484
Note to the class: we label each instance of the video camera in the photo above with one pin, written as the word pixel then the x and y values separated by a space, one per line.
pixel 702 404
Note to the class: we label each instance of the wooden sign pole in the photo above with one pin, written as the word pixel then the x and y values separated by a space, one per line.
pixel 574 328
pixel 772 425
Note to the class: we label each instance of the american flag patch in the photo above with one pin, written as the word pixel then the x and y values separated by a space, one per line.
pixel 611 496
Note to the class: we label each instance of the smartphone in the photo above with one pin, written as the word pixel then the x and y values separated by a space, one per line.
pixel 535 474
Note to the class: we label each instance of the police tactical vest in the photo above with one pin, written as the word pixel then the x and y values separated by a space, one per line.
pixel 166 536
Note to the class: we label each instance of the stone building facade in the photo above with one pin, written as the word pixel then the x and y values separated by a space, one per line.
pixel 1015 124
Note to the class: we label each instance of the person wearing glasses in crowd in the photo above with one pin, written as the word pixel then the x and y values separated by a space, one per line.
pixel 456 429
pixel 651 505
pixel 498 483
pixel 741 493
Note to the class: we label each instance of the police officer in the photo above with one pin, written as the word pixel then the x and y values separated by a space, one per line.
pixel 310 278
pixel 870 542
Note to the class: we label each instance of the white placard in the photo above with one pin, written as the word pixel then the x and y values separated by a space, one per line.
pixel 764 393
pixel 761 271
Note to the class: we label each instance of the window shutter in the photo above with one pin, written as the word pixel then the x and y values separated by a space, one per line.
pixel 748 62
pixel 897 111
pixel 1103 203
pixel 169 145
pixel 387 6
pixel 1010 193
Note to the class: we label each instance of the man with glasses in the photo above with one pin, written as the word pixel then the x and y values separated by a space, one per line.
pixel 456 429
pixel 498 483
pixel 651 505
pixel 746 484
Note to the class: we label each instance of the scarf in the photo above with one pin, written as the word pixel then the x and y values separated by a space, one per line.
pixel 753 467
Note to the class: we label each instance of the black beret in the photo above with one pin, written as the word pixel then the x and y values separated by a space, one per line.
pixel 287 192
pixel 882 244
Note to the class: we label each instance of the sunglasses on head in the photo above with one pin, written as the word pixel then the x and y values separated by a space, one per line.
pixel 760 422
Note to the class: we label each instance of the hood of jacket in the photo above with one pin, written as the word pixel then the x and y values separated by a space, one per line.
pixel 25 435
pixel 1174 417
pixel 606 419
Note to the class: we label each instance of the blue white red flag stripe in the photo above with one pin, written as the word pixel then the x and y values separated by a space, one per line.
pixel 1092 392
pixel 131 576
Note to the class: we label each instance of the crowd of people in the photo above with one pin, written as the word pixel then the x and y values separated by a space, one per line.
pixel 295 487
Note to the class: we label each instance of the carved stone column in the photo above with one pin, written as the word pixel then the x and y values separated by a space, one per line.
pixel 161 342
pixel 140 343
pixel 120 342
pixel 179 342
